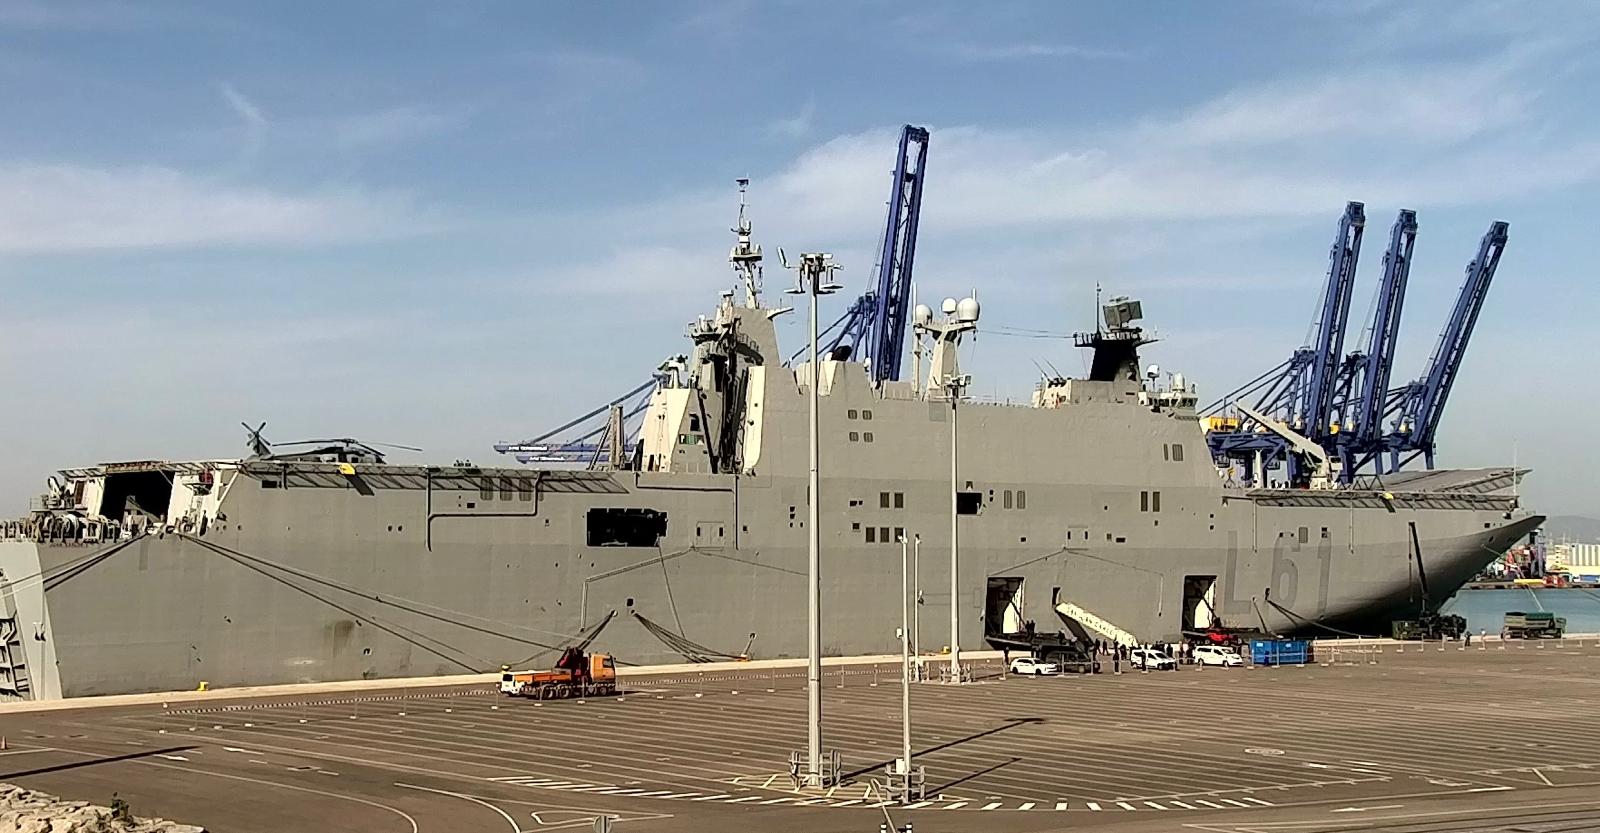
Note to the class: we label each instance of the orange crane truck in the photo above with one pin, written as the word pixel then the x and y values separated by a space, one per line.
pixel 577 674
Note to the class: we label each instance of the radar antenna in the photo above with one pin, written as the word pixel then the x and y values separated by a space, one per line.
pixel 745 255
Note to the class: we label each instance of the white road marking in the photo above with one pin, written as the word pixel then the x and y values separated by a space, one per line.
pixel 1210 804
pixel 1061 805
pixel 991 805
pixel 956 806
pixel 1236 802
pixel 237 749
pixel 1542 777
pixel 1490 789
pixel 1155 805
pixel 778 800
pixel 1126 806
pixel 1258 801
pixel 680 795
pixel 918 805
pixel 503 814
pixel 175 757
pixel 1027 806
pixel 1367 809
pixel 1181 804
pixel 712 797
pixel 28 751
pixel 743 798
pixel 1093 806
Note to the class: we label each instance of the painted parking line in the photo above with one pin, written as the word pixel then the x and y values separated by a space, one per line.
pixel 1014 805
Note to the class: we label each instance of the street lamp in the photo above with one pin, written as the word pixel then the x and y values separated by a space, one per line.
pixel 944 375
pixel 814 277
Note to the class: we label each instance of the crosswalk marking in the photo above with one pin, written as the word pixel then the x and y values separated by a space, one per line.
pixel 990 806
pixel 1235 802
pixel 1093 806
pixel 849 803
pixel 1027 806
pixel 712 797
pixel 956 806
pixel 1210 804
pixel 1181 804
pixel 1061 805
pixel 1155 805
pixel 1258 801
pixel 918 804
pixel 1126 806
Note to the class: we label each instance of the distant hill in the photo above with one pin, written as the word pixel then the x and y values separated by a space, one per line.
pixel 1574 527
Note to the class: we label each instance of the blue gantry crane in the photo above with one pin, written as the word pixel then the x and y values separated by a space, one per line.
pixel 1364 395
pixel 1294 402
pixel 1418 407
pixel 588 446
pixel 874 327
pixel 1335 425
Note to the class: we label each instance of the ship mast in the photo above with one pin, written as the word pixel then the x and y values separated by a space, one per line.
pixel 745 255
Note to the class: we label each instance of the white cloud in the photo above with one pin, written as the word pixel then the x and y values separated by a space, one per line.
pixel 58 207
pixel 796 126
pixel 392 124
pixel 243 107
pixel 1028 51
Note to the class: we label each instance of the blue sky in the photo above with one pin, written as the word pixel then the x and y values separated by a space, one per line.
pixel 448 227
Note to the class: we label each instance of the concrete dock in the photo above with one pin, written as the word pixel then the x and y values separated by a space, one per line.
pixel 1495 737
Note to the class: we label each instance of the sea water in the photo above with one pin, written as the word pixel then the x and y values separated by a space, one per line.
pixel 1486 609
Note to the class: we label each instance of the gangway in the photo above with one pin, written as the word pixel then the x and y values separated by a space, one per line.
pixel 1095 623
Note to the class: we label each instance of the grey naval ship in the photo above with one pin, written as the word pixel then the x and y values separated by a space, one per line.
pixel 1096 505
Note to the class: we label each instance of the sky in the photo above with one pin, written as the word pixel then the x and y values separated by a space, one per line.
pixel 447 225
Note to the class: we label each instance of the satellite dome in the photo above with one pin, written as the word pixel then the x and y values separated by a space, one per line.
pixel 949 306
pixel 921 315
pixel 967 311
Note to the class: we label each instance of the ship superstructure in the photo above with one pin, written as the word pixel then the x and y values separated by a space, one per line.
pixel 1096 506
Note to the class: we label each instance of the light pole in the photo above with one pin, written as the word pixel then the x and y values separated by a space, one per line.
pixel 905 663
pixel 916 608
pixel 953 386
pixel 814 277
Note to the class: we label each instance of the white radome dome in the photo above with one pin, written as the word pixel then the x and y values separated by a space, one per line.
pixel 922 315
pixel 967 311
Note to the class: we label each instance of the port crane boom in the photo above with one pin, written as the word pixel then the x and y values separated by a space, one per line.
pixel 1420 405
pixel 1365 383
pixel 874 326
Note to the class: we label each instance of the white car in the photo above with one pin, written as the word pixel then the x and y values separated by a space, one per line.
pixel 1217 655
pixel 1152 659
pixel 1029 665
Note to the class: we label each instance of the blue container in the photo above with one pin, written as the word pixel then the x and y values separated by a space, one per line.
pixel 1280 651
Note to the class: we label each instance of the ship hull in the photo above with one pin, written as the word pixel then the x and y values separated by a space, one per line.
pixel 326 583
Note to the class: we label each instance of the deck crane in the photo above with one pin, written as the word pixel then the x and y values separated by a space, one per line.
pixel 1299 394
pixel 1366 377
pixel 1417 407
pixel 874 326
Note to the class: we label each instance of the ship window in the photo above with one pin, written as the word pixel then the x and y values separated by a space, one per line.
pixel 1144 501
pixel 1008 499
pixel 1166 451
pixel 1022 499
pixel 269 484
pixel 883 535
pixel 1155 501
pixel 867 436
pixel 1305 535
pixel 1121 540
pixel 694 423
pixel 1177 453
pixel 883 500
pixel 626 527
pixel 1324 532
pixel 866 415
pixel 855 526
pixel 852 413
pixel 506 488
pixel 968 503
pixel 855 437
pixel 899 500
pixel 872 535
pixel 899 532
pixel 525 489
pixel 486 489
